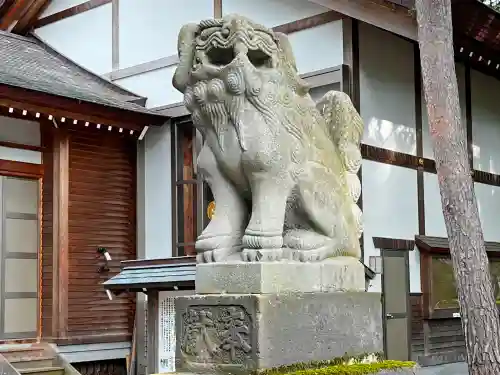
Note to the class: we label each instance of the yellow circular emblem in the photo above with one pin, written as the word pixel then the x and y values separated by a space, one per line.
pixel 211 210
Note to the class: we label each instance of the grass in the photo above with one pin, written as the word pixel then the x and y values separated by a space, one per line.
pixel 340 366
pixel 356 369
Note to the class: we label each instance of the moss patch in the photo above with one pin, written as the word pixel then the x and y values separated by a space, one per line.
pixel 355 369
pixel 338 366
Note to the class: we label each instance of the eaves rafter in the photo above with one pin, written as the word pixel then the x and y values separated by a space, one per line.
pixel 18 16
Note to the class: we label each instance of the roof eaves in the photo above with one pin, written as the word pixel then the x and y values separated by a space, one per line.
pixel 159 277
pixel 133 97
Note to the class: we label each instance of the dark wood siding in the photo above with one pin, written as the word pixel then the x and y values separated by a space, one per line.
pixel 445 337
pixel 47 230
pixel 108 367
pixel 417 325
pixel 435 341
pixel 102 196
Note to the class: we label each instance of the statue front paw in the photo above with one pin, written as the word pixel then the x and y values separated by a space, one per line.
pixel 261 255
pixel 262 247
pixel 217 247
pixel 218 255
pixel 257 240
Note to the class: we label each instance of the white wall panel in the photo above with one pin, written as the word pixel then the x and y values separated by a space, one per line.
pixel 157 193
pixel 21 155
pixel 387 90
pixel 426 139
pixel 272 13
pixel 59 5
pixel 434 220
pixel 84 38
pixel 485 91
pixel 390 209
pixel 155 85
pixel 149 28
pixel 488 201
pixel 19 131
pixel 307 43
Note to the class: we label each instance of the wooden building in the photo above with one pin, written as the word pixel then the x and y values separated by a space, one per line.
pixel 364 47
pixel 68 144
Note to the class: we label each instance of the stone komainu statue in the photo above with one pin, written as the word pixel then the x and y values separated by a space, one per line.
pixel 282 169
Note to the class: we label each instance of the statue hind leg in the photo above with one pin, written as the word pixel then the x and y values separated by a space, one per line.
pixel 333 214
pixel 305 245
pixel 221 239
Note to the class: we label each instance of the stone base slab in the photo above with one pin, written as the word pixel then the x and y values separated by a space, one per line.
pixel 331 275
pixel 240 334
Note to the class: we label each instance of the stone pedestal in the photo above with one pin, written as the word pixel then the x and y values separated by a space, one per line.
pixel 262 315
pixel 335 274
pixel 244 333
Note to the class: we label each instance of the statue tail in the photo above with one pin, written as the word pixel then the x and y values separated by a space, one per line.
pixel 345 127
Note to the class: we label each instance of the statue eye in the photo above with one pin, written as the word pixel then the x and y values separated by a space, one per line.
pixel 221 56
pixel 259 59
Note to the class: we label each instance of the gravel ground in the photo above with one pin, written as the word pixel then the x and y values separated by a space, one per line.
pixel 449 369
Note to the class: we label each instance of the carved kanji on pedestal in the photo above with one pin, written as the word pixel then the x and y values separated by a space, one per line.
pixel 218 334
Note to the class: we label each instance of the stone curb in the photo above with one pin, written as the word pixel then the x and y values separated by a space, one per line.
pixel 407 371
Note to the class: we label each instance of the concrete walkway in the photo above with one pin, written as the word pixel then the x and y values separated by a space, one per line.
pixel 449 369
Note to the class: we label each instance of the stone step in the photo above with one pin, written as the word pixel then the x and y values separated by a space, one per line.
pixel 21 349
pixel 25 355
pixel 50 370
pixel 38 362
pixel 22 352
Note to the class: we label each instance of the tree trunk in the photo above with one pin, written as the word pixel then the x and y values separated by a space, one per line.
pixel 480 318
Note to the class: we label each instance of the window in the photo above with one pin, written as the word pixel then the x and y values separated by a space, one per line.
pixel 439 289
pixel 190 195
pixel 443 293
pixel 324 80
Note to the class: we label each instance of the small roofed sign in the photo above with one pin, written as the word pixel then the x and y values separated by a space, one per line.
pixel 211 210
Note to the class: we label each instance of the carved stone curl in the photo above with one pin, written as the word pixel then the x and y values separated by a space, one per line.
pixel 215 334
pixel 282 169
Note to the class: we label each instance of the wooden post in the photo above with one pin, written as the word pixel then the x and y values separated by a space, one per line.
pixel 217 8
pixel 153 332
pixel 60 234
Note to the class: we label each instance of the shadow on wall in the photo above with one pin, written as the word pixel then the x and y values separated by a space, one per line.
pixel 386 134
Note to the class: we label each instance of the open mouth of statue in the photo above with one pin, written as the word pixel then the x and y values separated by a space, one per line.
pixel 222 56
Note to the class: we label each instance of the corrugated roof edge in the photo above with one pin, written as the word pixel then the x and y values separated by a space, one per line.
pixel 134 279
pixel 33 38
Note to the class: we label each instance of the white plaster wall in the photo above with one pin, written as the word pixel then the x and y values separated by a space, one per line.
pixel 307 43
pixel 426 139
pixel 156 86
pixel 488 201
pixel 387 90
pixel 148 28
pixel 272 13
pixel 434 220
pixel 155 218
pixel 485 92
pixel 84 38
pixel 390 210
pixel 19 131
pixel 21 155
pixel 59 5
